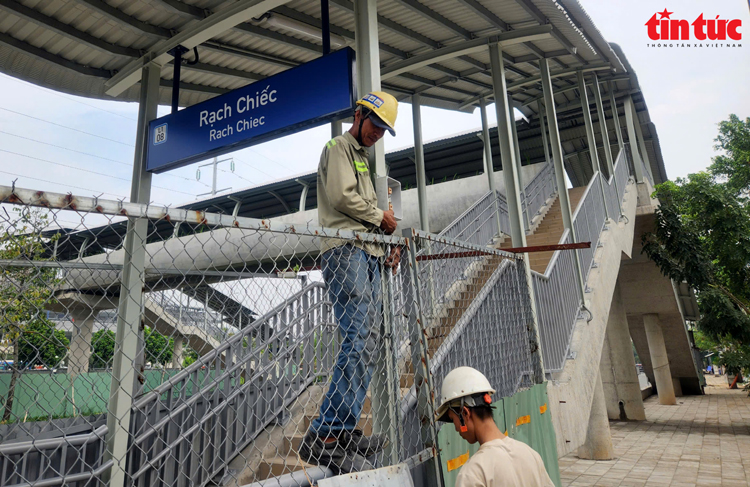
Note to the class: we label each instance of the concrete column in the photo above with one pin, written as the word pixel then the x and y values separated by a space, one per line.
pixel 489 167
pixel 521 185
pixel 659 360
pixel 557 157
pixel 633 139
pixel 598 444
pixel 424 217
pixel 368 68
pixel 622 391
pixel 615 116
pixel 80 344
pixel 510 175
pixel 178 354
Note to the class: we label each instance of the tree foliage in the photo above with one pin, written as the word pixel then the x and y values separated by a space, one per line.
pixel 702 235
pixel 40 344
pixel 103 349
pixel 158 347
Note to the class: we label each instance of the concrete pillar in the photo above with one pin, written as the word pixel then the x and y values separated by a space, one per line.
pixel 622 391
pixel 368 68
pixel 659 360
pixel 178 354
pixel 677 386
pixel 80 344
pixel 424 217
pixel 557 157
pixel 512 196
pixel 633 139
pixel 598 444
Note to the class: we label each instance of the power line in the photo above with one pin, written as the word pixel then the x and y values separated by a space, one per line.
pixel 92 155
pixel 51 92
pixel 66 127
pixel 245 179
pixel 86 170
pixel 55 182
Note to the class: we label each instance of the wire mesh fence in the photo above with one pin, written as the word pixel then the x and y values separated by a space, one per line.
pixel 154 346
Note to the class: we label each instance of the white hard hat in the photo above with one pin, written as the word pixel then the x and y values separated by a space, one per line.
pixel 461 387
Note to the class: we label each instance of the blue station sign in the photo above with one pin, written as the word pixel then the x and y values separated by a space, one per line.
pixel 305 96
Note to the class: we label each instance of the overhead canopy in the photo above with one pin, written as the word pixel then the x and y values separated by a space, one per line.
pixel 95 47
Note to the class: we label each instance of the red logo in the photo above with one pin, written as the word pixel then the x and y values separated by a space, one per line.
pixel 666 29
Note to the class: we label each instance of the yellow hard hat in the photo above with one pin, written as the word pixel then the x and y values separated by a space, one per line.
pixel 385 106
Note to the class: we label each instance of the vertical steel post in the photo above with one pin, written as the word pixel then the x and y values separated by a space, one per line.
pixel 602 124
pixel 424 217
pixel 543 129
pixel 368 68
pixel 420 360
pixel 605 137
pixel 519 167
pixel 489 166
pixel 326 26
pixel 562 189
pixel 633 139
pixel 615 115
pixel 126 375
pixel 642 142
pixel 593 152
pixel 510 175
pixel 388 415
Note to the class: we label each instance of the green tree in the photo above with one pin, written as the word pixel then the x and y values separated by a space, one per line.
pixel 190 356
pixel 41 344
pixel 103 343
pixel 702 235
pixel 158 347
pixel 26 290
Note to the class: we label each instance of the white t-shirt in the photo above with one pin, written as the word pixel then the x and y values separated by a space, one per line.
pixel 504 463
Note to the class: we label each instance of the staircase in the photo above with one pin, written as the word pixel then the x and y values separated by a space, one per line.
pixel 549 231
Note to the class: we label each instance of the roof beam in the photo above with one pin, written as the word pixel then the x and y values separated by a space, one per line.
pixel 214 69
pixel 464 48
pixel 532 10
pixel 249 54
pixel 52 58
pixel 66 30
pixel 202 31
pixel 115 13
pixel 281 200
pixel 430 14
pixel 486 14
pixel 271 35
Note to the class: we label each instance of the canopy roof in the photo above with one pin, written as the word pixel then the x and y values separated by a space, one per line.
pixel 438 49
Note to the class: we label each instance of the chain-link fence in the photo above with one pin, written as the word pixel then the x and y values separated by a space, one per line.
pixel 152 346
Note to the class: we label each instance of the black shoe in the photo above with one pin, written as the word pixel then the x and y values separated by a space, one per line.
pixel 357 442
pixel 334 455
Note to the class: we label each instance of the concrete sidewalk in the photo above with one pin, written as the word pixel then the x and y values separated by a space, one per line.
pixel 702 441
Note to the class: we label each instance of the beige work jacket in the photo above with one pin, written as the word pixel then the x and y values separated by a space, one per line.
pixel 346 197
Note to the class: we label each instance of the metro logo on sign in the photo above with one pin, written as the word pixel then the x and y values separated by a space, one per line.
pixel 666 28
pixel 310 94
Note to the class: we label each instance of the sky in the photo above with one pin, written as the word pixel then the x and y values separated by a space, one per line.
pixel 58 142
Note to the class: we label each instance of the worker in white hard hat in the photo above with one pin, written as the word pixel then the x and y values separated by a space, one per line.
pixel 351 269
pixel 501 461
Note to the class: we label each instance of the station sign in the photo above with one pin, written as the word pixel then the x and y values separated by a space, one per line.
pixel 308 95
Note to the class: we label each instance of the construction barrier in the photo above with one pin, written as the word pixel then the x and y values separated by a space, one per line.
pixel 524 416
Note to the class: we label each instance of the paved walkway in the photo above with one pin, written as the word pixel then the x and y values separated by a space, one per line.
pixel 703 441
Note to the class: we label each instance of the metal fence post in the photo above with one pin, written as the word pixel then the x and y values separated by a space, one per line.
pixel 489 165
pixel 126 377
pixel 593 151
pixel 421 361
pixel 383 397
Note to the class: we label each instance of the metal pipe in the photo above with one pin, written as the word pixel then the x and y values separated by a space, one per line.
pixel 521 187
pixel 424 216
pixel 326 26
pixel 632 139
pixel 615 116
pixel 591 138
pixel 489 166
pixel 557 157
pixel 603 124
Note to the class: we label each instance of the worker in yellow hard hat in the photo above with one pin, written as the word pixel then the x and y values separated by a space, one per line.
pixel 351 269
pixel 501 461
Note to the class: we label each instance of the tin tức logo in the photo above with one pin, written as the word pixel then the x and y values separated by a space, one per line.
pixel 701 31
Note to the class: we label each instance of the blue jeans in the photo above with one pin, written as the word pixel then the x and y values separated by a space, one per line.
pixel 353 279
